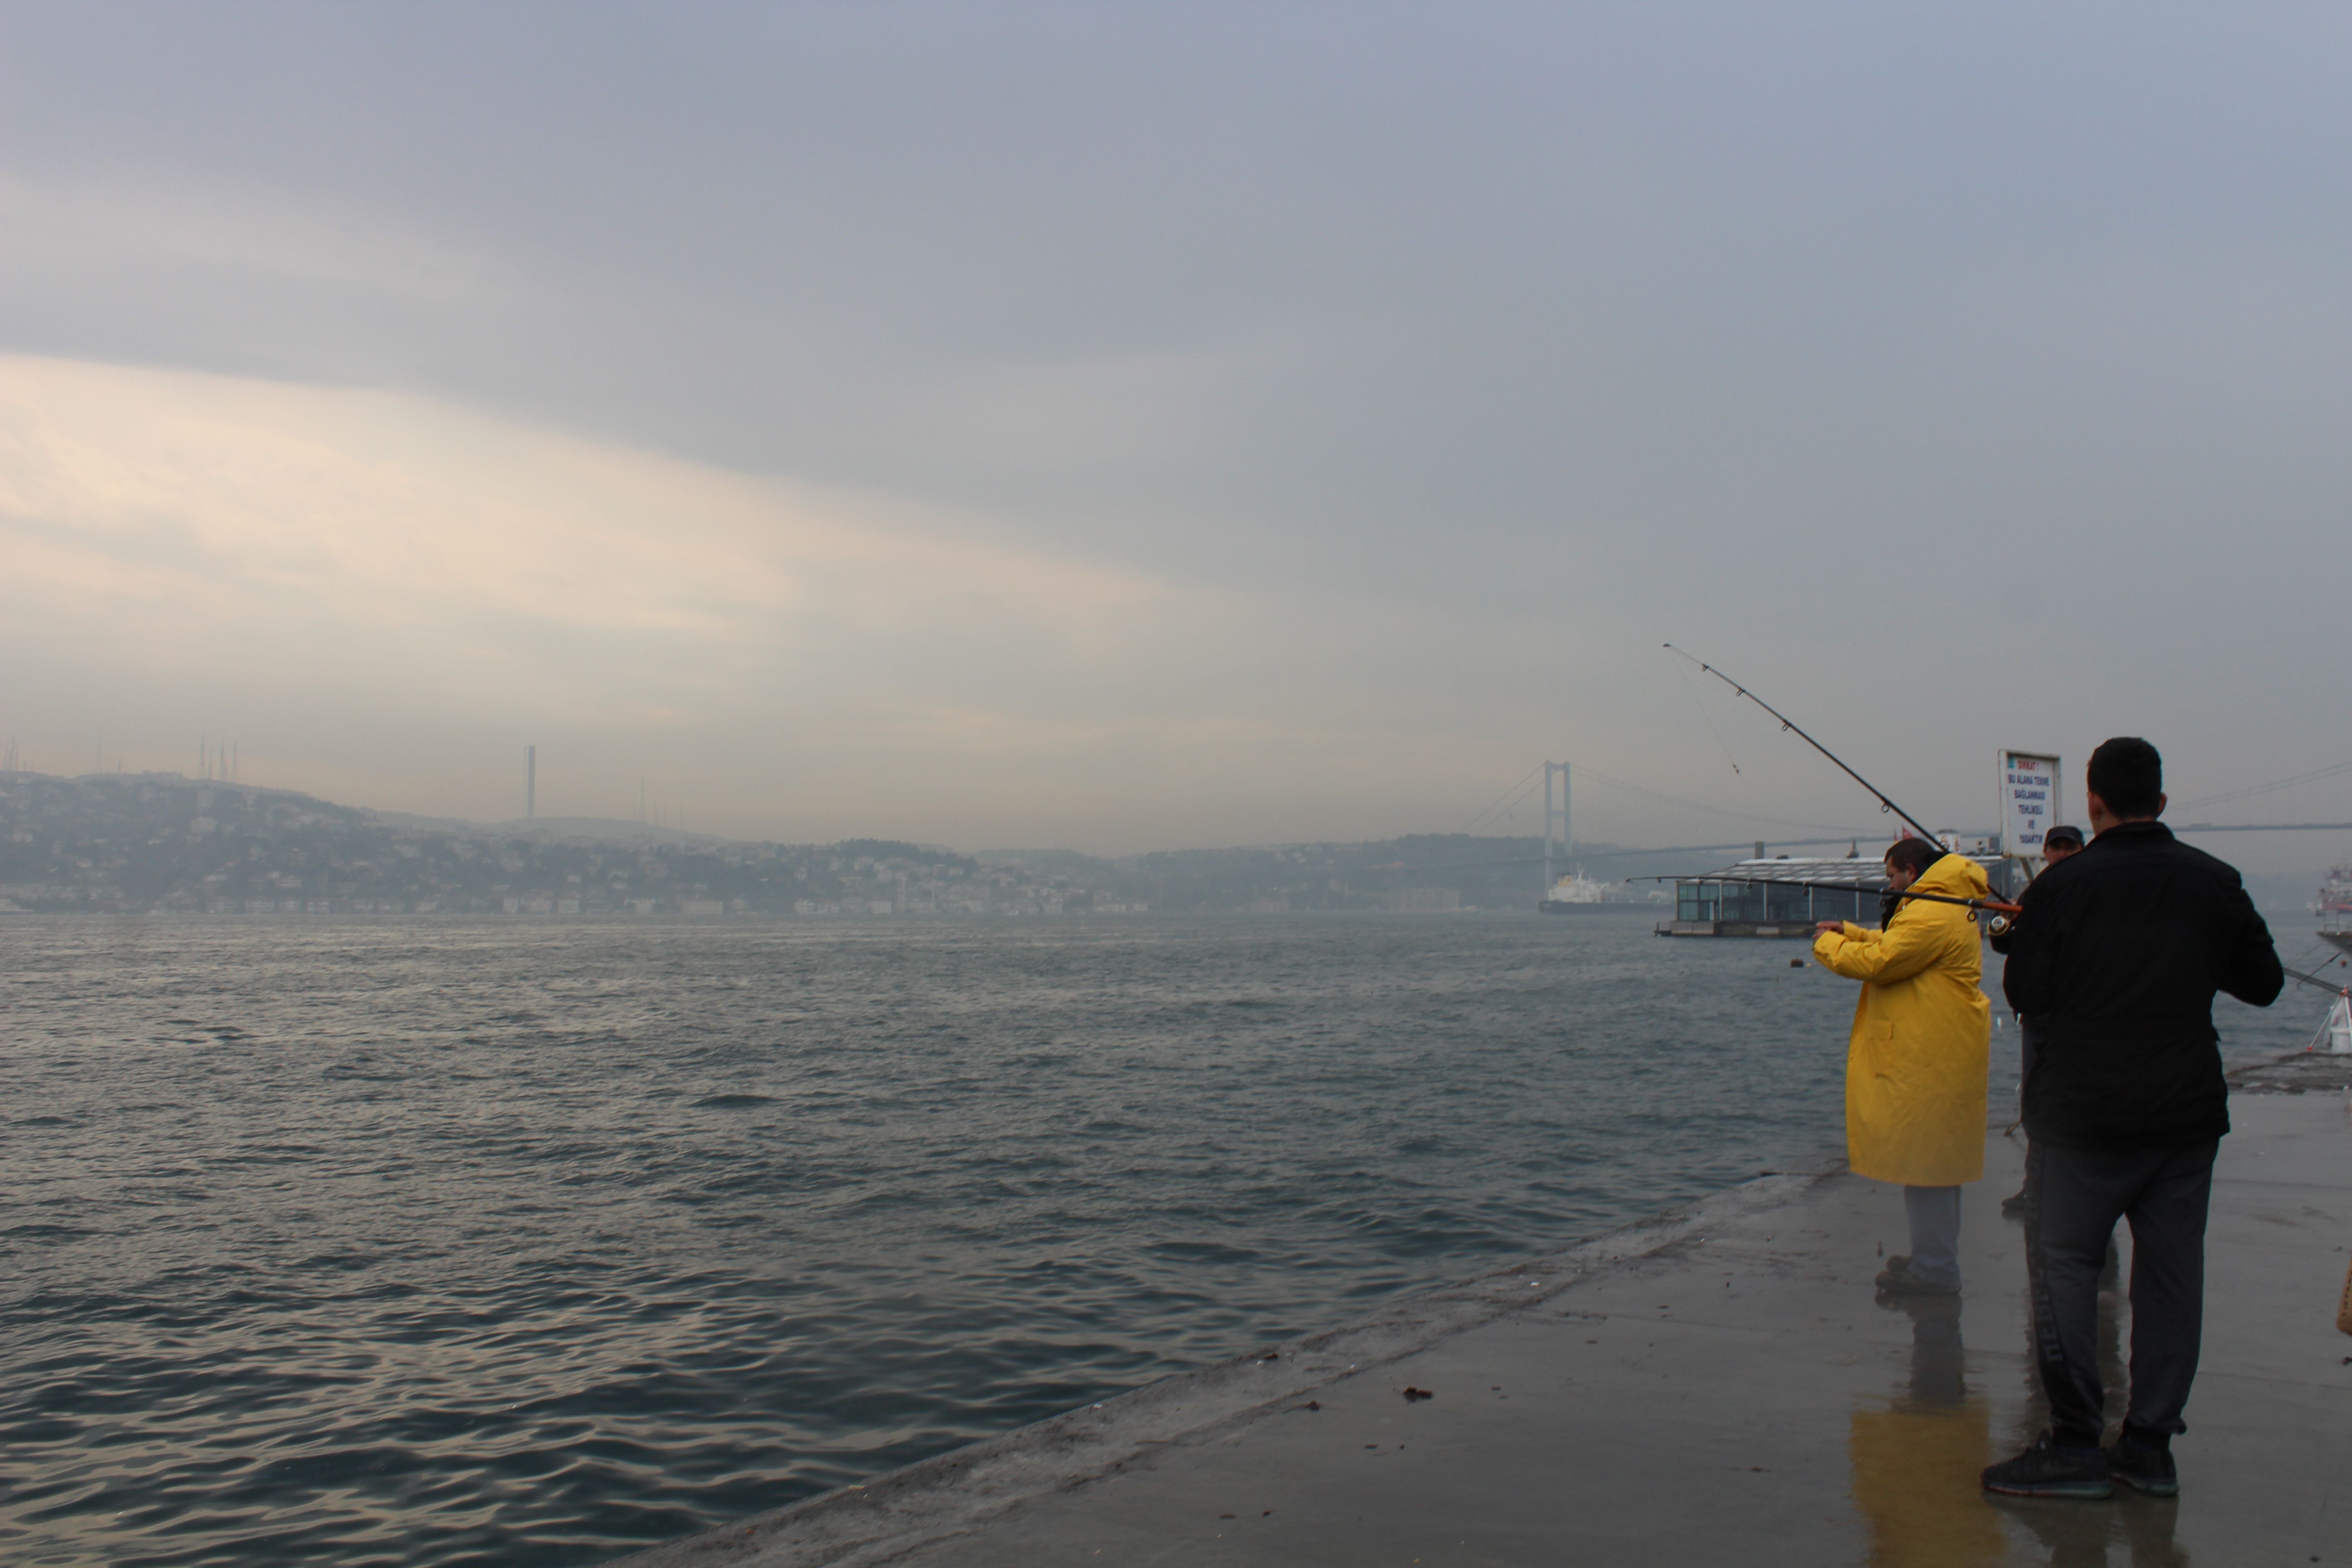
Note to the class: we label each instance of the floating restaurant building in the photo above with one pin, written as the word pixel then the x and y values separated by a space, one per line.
pixel 1747 898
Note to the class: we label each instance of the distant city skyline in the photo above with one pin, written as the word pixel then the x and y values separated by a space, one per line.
pixel 2303 815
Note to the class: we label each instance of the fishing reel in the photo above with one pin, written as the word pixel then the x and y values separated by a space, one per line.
pixel 1997 926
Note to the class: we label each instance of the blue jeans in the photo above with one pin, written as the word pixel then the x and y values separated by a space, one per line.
pixel 1935 1215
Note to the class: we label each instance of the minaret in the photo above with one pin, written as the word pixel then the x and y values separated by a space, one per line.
pixel 531 780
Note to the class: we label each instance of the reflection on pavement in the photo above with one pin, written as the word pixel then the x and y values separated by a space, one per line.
pixel 1916 1456
pixel 1916 1460
pixel 2080 1534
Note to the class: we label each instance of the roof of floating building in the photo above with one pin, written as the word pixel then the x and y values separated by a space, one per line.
pixel 1863 872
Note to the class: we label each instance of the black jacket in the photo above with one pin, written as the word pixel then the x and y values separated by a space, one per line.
pixel 2117 958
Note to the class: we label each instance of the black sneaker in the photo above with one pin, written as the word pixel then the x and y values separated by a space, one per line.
pixel 2149 1470
pixel 2048 1470
pixel 2013 1204
pixel 1897 1279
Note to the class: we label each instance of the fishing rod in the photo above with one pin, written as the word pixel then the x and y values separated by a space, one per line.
pixel 2331 987
pixel 1995 905
pixel 1788 723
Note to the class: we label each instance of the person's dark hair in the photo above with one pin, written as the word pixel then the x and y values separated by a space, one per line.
pixel 1914 855
pixel 2128 775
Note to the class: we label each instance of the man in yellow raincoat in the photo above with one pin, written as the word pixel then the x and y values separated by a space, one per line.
pixel 1917 1064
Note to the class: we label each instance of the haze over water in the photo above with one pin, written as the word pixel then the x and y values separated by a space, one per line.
pixel 507 1244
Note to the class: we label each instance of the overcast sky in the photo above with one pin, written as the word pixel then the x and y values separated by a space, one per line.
pixel 1135 425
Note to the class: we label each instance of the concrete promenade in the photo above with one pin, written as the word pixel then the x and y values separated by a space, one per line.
pixel 1717 1385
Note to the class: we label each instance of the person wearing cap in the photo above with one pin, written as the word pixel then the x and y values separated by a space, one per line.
pixel 2117 955
pixel 2056 845
pixel 1915 1061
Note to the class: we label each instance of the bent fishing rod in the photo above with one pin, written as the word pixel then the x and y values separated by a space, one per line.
pixel 1788 723
pixel 1995 905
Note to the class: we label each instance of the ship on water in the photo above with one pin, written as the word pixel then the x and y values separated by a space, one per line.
pixel 1565 892
pixel 1573 891
pixel 2334 908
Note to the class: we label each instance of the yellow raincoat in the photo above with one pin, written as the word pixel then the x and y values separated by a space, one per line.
pixel 1916 1065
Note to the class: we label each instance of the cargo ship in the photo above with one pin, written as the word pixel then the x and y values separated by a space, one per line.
pixel 1574 891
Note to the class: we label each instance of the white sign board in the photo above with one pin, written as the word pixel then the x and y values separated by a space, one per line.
pixel 2028 801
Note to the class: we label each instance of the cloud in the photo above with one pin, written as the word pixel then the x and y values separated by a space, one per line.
pixel 272 234
pixel 165 505
pixel 379 578
pixel 1155 426
pixel 408 553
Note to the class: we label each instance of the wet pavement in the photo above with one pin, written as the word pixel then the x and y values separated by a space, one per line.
pixel 1719 1385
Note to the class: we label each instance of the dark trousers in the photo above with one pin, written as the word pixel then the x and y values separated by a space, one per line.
pixel 2073 1199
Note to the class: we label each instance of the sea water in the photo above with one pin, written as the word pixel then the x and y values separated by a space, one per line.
pixel 438 1244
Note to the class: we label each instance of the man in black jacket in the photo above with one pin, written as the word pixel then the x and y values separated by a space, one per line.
pixel 2117 956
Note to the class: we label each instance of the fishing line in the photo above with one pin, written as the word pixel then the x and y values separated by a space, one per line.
pixel 1506 796
pixel 1584 773
pixel 1995 905
pixel 2333 987
pixel 2250 790
pixel 1503 809
pixel 1790 724
pixel 1705 717
pixel 2325 952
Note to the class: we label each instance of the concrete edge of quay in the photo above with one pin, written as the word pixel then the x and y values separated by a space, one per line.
pixel 954 1493
pixel 965 1490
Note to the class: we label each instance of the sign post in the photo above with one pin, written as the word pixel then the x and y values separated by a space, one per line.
pixel 2029 802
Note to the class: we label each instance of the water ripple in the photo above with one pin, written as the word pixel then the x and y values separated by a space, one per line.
pixel 515 1244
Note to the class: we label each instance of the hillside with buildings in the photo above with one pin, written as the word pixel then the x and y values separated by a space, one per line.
pixel 163 843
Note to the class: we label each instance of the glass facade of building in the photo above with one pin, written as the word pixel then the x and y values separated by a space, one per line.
pixel 1743 895
pixel 1702 900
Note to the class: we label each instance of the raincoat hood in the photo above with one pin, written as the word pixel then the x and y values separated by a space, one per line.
pixel 1954 876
